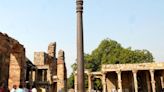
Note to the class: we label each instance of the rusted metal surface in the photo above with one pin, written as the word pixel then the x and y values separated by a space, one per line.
pixel 80 48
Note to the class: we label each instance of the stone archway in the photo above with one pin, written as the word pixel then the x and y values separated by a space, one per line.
pixel 16 65
pixel 12 61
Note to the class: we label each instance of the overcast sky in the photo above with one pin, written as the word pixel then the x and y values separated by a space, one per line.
pixel 133 23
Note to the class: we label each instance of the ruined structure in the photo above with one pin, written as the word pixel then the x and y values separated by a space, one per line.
pixel 61 72
pixel 142 77
pixel 12 61
pixel 30 74
pixel 51 71
pixel 47 72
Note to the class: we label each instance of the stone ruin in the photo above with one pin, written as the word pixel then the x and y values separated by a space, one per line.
pixel 47 72
pixel 12 61
pixel 138 77
pixel 52 71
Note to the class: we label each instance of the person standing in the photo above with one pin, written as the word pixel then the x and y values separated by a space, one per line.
pixel 20 89
pixel 34 88
pixel 26 87
pixel 2 87
pixel 14 88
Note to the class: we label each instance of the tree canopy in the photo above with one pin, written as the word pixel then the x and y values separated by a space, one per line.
pixel 111 52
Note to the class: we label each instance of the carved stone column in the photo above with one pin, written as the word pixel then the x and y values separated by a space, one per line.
pixel 33 75
pixel 152 80
pixel 43 73
pixel 89 82
pixel 148 82
pixel 75 82
pixel 61 72
pixel 162 79
pixel 119 81
pixel 135 80
pixel 162 85
pixel 36 74
pixel 104 82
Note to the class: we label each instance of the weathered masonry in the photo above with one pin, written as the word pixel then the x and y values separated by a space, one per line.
pixel 142 77
pixel 47 72
pixel 51 73
pixel 12 61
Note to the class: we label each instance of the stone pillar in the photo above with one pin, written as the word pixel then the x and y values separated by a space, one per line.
pixel 119 81
pixel 152 80
pixel 61 72
pixel 14 70
pixel 36 74
pixel 135 80
pixel 75 82
pixel 162 79
pixel 162 85
pixel 89 82
pixel 104 82
pixel 43 73
pixel 148 82
pixel 31 75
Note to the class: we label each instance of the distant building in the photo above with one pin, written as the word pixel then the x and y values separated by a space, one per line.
pixel 140 77
pixel 51 73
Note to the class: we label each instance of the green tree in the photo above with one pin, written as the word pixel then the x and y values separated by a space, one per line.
pixel 111 52
pixel 70 83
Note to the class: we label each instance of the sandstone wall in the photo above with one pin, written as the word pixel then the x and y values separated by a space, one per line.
pixel 40 58
pixel 47 61
pixel 51 61
pixel 12 59
pixel 13 65
pixel 61 72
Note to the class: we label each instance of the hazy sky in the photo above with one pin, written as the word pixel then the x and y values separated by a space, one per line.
pixel 36 23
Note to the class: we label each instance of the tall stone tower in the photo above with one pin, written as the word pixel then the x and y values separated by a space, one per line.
pixel 52 49
pixel 52 58
pixel 61 72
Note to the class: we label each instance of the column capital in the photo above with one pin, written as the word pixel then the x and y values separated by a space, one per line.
pixel 104 72
pixel 151 70
pixel 89 74
pixel 75 74
pixel 134 71
pixel 79 4
pixel 118 71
